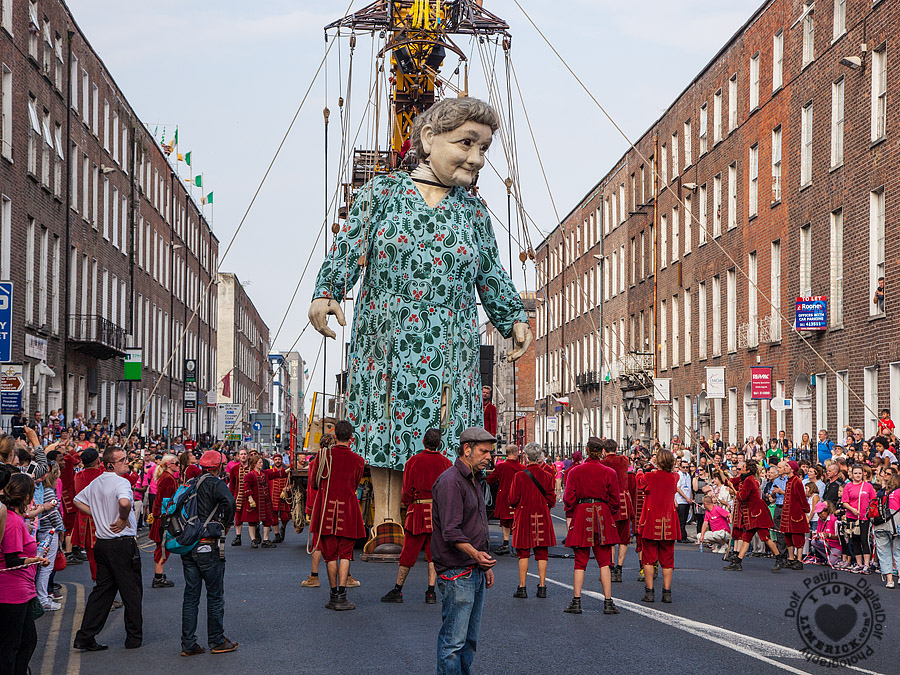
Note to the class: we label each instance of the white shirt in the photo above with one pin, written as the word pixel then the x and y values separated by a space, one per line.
pixel 684 482
pixel 102 495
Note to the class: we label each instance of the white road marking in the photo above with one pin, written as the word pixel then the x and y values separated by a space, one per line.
pixel 75 655
pixel 756 648
pixel 558 517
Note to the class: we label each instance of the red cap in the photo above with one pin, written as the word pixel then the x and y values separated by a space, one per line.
pixel 211 459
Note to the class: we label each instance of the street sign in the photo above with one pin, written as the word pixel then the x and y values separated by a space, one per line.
pixel 190 370
pixel 257 426
pixel 133 365
pixel 190 401
pixel 780 404
pixel 6 305
pixel 228 421
pixel 248 439
pixel 551 424
pixel 11 385
pixel 211 398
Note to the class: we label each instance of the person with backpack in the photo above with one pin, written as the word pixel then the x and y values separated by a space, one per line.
pixel 886 527
pixel 206 562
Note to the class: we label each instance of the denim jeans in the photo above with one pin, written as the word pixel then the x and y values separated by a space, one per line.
pixel 200 568
pixel 462 599
pixel 887 544
pixel 43 573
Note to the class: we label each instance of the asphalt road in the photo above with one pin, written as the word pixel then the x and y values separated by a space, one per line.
pixel 718 620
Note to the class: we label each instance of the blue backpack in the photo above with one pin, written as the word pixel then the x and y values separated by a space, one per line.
pixel 182 524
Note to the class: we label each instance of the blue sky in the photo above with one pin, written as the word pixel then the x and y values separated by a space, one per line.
pixel 231 75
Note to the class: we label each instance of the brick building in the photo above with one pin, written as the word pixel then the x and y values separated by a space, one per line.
pixel 105 247
pixel 242 368
pixel 513 383
pixel 769 178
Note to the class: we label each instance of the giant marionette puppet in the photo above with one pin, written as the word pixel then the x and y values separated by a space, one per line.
pixel 427 252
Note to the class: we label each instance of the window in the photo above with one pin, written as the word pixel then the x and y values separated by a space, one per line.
pixel 46 150
pixel 687 326
pixel 85 96
pixel 732 195
pixel 664 333
pixel 876 252
pixel 879 93
pixel 675 170
pixel 622 267
pixel 676 234
pixel 806 132
pixel 664 165
pixel 821 401
pixel 717 316
pixel 6 21
pixel 29 271
pixel 717 205
pixel 753 197
pixel 805 261
pixel 58 160
pixel 754 81
pixel 54 287
pixel 688 158
pixel 717 116
pixel 809 34
pixel 95 187
pixel 701 326
pixel 842 398
pixel 776 165
pixel 622 204
pixel 106 125
pixel 106 208
pixel 836 304
pixel 703 129
pixel 732 417
pixel 688 225
pixel 775 293
pixel 676 332
pixel 663 241
pixel 633 260
pixel 840 27
pixel 777 61
pixel 115 137
pixel 733 103
pixel 702 216
pixel 614 272
pixel 34 131
pixel 5 109
pixel 837 122
pixel 34 29
pixel 115 217
pixel 643 256
pixel 95 109
pixel 870 395
pixel 42 276
pixel 731 301
pixel 752 306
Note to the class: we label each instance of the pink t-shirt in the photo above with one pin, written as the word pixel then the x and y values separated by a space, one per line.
pixel 828 529
pixel 717 517
pixel 17 586
pixel 858 496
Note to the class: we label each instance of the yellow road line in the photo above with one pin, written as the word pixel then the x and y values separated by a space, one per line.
pixel 75 655
pixel 49 659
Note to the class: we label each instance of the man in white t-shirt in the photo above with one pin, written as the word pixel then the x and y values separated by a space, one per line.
pixel 108 500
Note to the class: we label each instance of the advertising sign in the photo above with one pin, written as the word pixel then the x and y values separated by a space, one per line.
pixel 228 418
pixel 6 305
pixel 133 365
pixel 812 313
pixel 715 382
pixel 662 391
pixel 190 370
pixel 11 385
pixel 35 347
pixel 551 424
pixel 760 383
pixel 190 401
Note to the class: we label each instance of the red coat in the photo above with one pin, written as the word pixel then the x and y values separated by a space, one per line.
pixel 592 523
pixel 795 508
pixel 532 524
pixel 236 476
pixel 311 485
pixel 67 476
pixel 632 494
pixel 278 480
pixel 750 511
pixel 85 535
pixel 490 418
pixel 620 465
pixel 659 520
pixel 166 486
pixel 504 474
pixel 336 511
pixel 419 475
pixel 257 487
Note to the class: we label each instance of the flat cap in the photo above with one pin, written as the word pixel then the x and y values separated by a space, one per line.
pixel 476 435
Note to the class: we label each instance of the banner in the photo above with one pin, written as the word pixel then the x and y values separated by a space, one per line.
pixel 662 391
pixel 133 366
pixel 190 401
pixel 760 382
pixel 715 382
pixel 812 313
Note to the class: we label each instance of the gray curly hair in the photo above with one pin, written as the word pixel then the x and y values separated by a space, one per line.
pixel 450 114
pixel 533 452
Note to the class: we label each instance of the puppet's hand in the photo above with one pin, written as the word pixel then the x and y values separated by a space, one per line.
pixel 522 339
pixel 318 315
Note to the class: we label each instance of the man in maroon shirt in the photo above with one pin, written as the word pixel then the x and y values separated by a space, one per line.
pixel 490 411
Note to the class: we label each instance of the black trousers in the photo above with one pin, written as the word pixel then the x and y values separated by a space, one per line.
pixel 118 571
pixel 779 535
pixel 18 638
pixel 684 512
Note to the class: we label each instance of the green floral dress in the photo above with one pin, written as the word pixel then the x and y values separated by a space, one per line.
pixel 415 334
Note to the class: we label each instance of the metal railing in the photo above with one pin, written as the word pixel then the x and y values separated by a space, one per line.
pixel 93 328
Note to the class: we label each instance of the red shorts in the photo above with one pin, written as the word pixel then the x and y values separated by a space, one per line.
pixel 747 535
pixel 334 548
pixel 160 554
pixel 412 546
pixel 655 550
pixel 506 522
pixel 638 542
pixel 602 553
pixel 795 540
pixel 624 528
pixel 540 553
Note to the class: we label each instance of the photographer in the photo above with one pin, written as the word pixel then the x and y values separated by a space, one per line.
pixel 206 563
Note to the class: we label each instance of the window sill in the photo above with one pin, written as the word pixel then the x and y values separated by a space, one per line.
pixel 836 167
pixel 877 142
pixel 753 217
pixel 32 176
pixel 877 317
pixel 837 38
pixel 807 64
pixel 778 89
pixel 777 202
pixel 806 186
pixel 753 110
pixel 8 158
pixel 833 329
pixel 686 254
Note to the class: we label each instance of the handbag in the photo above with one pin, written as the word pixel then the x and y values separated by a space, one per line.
pixel 35 609
pixel 59 563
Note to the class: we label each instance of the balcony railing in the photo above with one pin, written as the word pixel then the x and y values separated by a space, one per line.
pixel 96 336
pixel 637 363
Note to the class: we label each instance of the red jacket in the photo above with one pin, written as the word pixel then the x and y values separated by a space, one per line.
pixel 532 524
pixel 84 534
pixel 490 418
pixel 311 485
pixel 67 475
pixel 750 511
pixel 256 487
pixel 659 520
pixel 235 483
pixel 166 486
pixel 795 508
pixel 620 465
pixel 419 475
pixel 592 523
pixel 336 511
pixel 278 480
pixel 504 474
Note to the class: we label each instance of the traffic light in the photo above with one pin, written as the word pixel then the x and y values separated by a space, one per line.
pixel 278 435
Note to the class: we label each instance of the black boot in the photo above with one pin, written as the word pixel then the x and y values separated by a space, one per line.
pixel 521 592
pixel 735 566
pixel 430 597
pixel 542 591
pixel 503 549
pixel 609 607
pixel 393 595
pixel 615 574
pixel 649 595
pixel 331 600
pixel 574 607
pixel 667 595
pixel 254 543
pixel 236 541
pixel 341 604
pixel 779 564
pixel 795 564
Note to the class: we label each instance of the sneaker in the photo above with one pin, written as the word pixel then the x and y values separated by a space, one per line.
pixel 393 595
pixel 351 582
pixel 866 569
pixel 430 598
pixel 521 592
pixel 162 582
pixel 736 566
pixel 193 651
pixel 503 549
pixel 55 587
pixel 51 606
pixel 889 584
pixel 72 559
pixel 854 569
pixel 667 595
pixel 609 607
pixel 310 582
pixel 649 595
pixel 254 543
pixel 269 544
pixel 55 597
pixel 341 604
pixel 236 542
pixel 226 646
pixel 795 564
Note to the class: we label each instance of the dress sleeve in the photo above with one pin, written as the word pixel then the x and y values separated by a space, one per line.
pixel 498 294
pixel 341 269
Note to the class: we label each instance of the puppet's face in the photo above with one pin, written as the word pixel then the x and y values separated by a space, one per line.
pixel 457 156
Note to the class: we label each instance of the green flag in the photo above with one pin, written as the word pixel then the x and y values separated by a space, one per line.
pixel 198 180
pixel 187 158
pixel 208 199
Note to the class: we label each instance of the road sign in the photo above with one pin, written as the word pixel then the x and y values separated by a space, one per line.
pixel 228 420
pixel 11 385
pixel 6 305
pixel 257 426
pixel 551 424
pixel 190 401
pixel 248 439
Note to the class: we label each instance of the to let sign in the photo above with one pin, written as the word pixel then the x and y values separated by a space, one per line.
pixel 760 383
pixel 812 313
